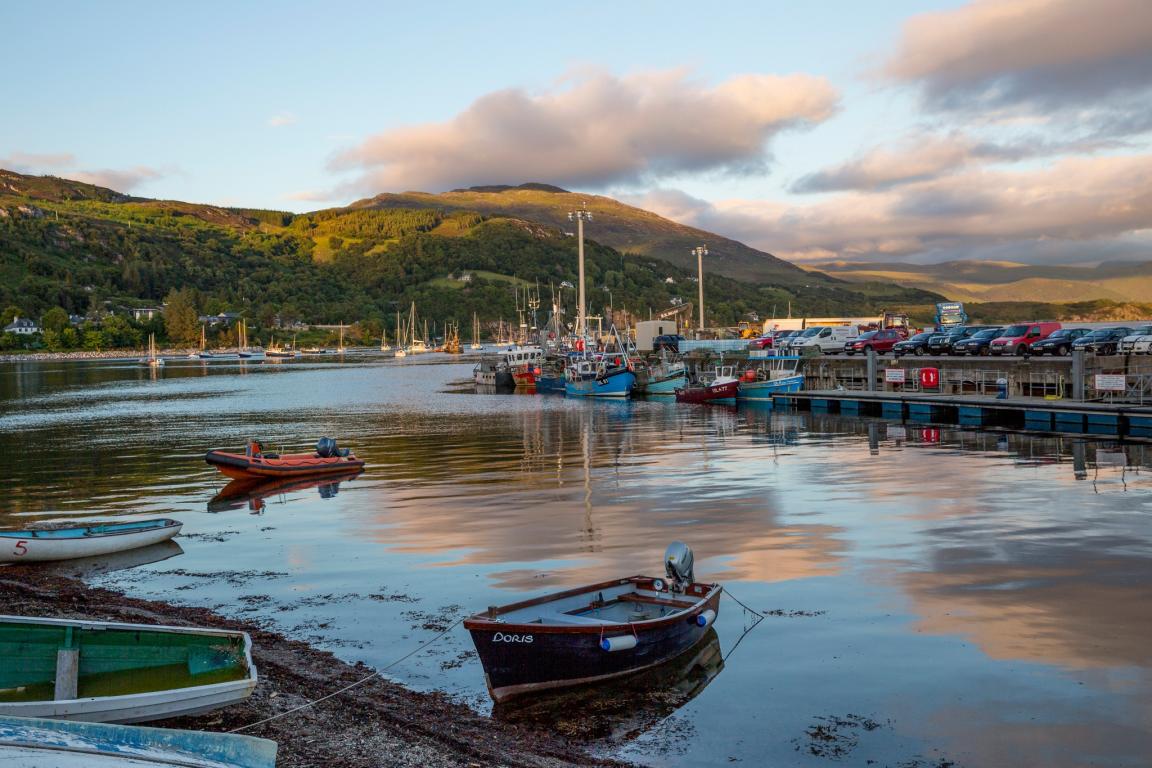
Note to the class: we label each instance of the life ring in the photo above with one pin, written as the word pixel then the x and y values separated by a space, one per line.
pixel 579 345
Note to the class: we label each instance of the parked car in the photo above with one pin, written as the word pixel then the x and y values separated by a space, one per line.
pixel 976 344
pixel 762 342
pixel 1103 342
pixel 1138 342
pixel 1060 342
pixel 1015 339
pixel 784 339
pixel 941 342
pixel 827 338
pixel 917 345
pixel 878 341
pixel 668 341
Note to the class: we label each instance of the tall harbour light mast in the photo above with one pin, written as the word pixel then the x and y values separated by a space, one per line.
pixel 700 252
pixel 580 215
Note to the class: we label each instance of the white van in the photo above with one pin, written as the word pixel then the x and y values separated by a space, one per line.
pixel 823 338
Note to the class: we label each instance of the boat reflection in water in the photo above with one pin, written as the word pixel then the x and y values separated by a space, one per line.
pixel 117 561
pixel 251 493
pixel 622 709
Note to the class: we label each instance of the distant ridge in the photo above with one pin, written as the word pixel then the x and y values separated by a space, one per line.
pixel 532 185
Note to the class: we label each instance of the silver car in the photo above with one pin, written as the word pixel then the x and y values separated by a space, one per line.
pixel 1139 342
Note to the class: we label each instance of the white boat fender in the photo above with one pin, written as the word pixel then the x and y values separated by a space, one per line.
pixel 620 643
pixel 706 618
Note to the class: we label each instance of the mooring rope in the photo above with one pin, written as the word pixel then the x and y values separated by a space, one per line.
pixel 759 618
pixel 350 686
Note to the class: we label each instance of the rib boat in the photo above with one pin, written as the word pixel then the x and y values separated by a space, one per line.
pixel 596 632
pixel 255 462
pixel 108 672
pixel 49 544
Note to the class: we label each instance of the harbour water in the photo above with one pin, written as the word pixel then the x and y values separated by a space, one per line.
pixel 933 594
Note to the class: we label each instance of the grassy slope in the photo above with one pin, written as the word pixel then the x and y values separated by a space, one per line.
pixel 620 226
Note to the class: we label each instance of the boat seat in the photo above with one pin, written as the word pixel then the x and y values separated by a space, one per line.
pixel 564 618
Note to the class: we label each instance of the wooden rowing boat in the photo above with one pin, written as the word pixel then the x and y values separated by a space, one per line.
pixel 92 540
pixel 108 672
pixel 36 743
pixel 593 633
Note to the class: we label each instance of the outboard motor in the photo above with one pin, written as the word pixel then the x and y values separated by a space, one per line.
pixel 678 565
pixel 326 448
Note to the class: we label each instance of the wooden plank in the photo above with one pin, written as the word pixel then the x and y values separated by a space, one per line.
pixel 67 673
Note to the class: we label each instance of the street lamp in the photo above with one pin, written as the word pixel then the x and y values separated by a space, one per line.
pixel 700 252
pixel 580 215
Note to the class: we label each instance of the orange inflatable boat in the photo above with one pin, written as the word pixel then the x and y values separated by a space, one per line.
pixel 254 463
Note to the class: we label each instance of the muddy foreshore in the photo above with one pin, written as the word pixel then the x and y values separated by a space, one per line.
pixel 379 723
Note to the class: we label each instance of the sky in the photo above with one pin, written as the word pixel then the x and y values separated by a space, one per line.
pixel 1013 130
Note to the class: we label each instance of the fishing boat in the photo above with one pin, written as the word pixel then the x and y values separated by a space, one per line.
pixel 664 378
pixel 278 351
pixel 594 633
pixel 492 371
pixel 452 339
pixel 49 544
pixel 255 462
pixel 550 380
pixel 523 363
pixel 38 743
pixel 718 386
pixel 153 359
pixel 599 377
pixel 772 376
pixel 109 672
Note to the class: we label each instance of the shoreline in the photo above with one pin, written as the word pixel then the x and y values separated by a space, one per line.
pixel 380 723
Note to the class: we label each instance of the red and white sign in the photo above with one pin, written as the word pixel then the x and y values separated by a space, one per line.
pixel 929 377
pixel 1110 382
pixel 894 375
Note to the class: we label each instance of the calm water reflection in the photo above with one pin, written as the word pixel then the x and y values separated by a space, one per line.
pixel 983 597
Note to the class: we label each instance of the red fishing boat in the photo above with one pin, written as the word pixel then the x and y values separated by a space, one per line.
pixel 256 463
pixel 721 387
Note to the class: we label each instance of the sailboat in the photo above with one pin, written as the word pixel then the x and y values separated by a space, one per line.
pixel 415 346
pixel 242 340
pixel 152 359
pixel 401 335
pixel 341 349
pixel 384 340
pixel 203 352
pixel 476 332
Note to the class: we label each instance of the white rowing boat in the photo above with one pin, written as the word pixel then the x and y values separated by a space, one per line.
pixel 49 544
pixel 33 743
pixel 108 672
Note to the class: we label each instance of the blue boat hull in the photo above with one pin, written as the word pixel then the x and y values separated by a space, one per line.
pixel 752 391
pixel 615 385
pixel 549 385
pixel 666 386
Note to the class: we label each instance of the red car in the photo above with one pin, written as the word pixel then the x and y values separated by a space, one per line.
pixel 880 341
pixel 763 342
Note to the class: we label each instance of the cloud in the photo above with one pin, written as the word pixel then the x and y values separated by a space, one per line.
pixel 282 119
pixel 1035 55
pixel 1063 211
pixel 122 180
pixel 65 164
pixel 32 162
pixel 595 130
pixel 310 195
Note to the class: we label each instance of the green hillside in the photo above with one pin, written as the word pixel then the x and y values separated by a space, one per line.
pixel 79 247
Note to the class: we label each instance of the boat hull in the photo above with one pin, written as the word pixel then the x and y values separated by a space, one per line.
pixel 616 384
pixel 752 391
pixel 519 659
pixel 666 386
pixel 83 541
pixel 547 385
pixel 241 467
pixel 716 393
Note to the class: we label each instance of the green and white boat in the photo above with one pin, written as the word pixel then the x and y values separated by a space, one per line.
pixel 108 672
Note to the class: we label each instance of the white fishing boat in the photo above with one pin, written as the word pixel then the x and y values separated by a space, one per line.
pixel 36 743
pixel 50 544
pixel 110 672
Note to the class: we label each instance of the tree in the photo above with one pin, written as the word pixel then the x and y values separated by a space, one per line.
pixel 10 314
pixel 181 320
pixel 55 320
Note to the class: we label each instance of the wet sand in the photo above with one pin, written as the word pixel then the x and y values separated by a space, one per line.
pixel 379 723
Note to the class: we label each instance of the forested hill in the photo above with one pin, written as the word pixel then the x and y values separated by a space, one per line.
pixel 76 246
pixel 623 227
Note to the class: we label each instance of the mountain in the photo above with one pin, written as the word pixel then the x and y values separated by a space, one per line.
pixel 1000 281
pixel 626 228
pixel 77 246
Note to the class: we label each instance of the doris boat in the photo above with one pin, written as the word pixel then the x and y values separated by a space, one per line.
pixel 255 463
pixel 593 633
pixel 36 743
pixel 50 544
pixel 107 672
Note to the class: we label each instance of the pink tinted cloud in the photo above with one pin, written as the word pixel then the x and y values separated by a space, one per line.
pixel 1087 202
pixel 595 130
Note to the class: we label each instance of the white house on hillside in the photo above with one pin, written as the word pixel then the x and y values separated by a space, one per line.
pixel 22 325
